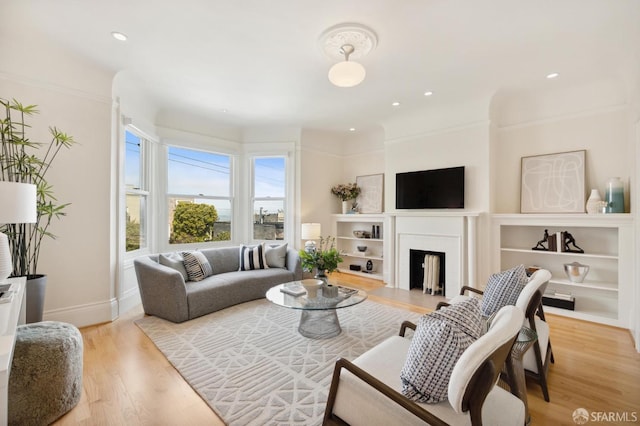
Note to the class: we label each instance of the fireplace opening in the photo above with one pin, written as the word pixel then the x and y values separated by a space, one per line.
pixel 427 271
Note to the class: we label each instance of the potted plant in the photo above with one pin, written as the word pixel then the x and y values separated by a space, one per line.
pixel 346 192
pixel 324 259
pixel 19 163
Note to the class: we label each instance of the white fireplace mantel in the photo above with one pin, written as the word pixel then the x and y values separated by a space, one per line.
pixel 453 233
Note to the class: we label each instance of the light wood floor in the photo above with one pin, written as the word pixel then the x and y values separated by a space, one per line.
pixel 127 381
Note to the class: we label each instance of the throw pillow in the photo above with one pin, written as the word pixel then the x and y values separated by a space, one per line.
pixel 197 265
pixel 503 289
pixel 174 261
pixel 466 316
pixel 252 258
pixel 276 256
pixel 438 342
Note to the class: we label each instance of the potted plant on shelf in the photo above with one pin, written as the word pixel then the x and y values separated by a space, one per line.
pixel 324 259
pixel 346 192
pixel 19 163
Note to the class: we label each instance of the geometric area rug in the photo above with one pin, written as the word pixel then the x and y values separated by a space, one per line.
pixel 250 364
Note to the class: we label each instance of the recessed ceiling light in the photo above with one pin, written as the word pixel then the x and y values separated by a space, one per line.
pixel 224 110
pixel 428 93
pixel 119 36
pixel 552 75
pixel 396 104
pixel 352 129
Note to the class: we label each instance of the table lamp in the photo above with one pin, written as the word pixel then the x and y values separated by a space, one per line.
pixel 17 205
pixel 310 232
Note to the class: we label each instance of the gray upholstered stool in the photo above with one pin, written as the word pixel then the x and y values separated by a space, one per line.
pixel 46 374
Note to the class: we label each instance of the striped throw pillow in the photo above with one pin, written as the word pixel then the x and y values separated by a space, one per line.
pixel 197 266
pixel 252 258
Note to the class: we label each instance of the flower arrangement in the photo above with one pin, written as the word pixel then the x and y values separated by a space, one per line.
pixel 324 258
pixel 346 191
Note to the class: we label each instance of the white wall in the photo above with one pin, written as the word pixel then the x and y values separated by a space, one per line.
pixel 321 166
pixel 589 117
pixel 74 95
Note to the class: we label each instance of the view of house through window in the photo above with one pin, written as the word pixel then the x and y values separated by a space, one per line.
pixel 136 193
pixel 199 196
pixel 269 196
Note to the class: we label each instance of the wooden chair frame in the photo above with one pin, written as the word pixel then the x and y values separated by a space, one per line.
pixel 481 383
pixel 534 308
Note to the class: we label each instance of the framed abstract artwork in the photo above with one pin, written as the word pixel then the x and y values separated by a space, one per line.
pixel 371 193
pixel 553 183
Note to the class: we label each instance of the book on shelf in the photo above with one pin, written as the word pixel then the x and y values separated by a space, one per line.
pixel 293 289
pixel 559 295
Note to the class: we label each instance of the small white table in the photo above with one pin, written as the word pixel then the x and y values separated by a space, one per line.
pixel 12 313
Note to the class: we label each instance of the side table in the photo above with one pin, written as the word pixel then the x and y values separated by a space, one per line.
pixel 513 373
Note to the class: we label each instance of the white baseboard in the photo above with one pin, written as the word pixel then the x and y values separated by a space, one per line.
pixel 129 300
pixel 95 313
pixel 85 315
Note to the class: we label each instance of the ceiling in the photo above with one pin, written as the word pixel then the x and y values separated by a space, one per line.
pixel 248 63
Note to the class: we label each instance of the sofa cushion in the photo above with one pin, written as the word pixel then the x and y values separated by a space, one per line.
pixel 174 261
pixel 276 256
pixel 503 289
pixel 439 340
pixel 197 265
pixel 252 258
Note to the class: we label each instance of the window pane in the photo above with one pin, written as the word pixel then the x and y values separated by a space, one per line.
pixel 269 176
pixel 136 230
pixel 198 173
pixel 132 169
pixel 195 220
pixel 268 220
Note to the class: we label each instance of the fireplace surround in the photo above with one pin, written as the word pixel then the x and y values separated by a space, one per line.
pixel 453 234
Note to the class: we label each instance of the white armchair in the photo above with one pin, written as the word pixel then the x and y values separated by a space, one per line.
pixel 537 359
pixel 367 391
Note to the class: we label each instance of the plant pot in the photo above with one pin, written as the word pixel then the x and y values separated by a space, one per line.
pixel 36 289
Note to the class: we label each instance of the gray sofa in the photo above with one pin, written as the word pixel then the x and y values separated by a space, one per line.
pixel 165 293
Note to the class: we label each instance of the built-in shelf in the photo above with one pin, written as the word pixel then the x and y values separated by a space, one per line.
pixel 347 243
pixel 607 240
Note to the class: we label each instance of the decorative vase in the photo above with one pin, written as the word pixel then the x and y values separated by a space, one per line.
pixel 615 196
pixel 312 287
pixel 593 203
pixel 576 272
pixel 329 290
pixel 345 207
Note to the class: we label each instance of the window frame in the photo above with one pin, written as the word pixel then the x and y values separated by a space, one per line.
pixel 143 191
pixel 166 226
pixel 286 199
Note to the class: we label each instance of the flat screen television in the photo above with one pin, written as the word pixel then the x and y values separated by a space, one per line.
pixel 431 189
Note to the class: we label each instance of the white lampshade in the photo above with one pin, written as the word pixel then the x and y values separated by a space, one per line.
pixel 311 231
pixel 17 205
pixel 347 74
pixel 6 265
pixel 17 202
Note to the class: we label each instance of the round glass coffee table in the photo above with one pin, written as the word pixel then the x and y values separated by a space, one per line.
pixel 318 319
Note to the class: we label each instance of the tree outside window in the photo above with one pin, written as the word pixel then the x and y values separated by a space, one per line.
pixel 199 195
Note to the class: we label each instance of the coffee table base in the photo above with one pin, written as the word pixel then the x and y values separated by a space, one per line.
pixel 319 324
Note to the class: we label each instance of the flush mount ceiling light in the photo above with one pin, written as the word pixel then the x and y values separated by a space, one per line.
pixel 347 42
pixel 119 36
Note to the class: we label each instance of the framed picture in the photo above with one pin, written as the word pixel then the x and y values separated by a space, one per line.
pixel 371 193
pixel 553 183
